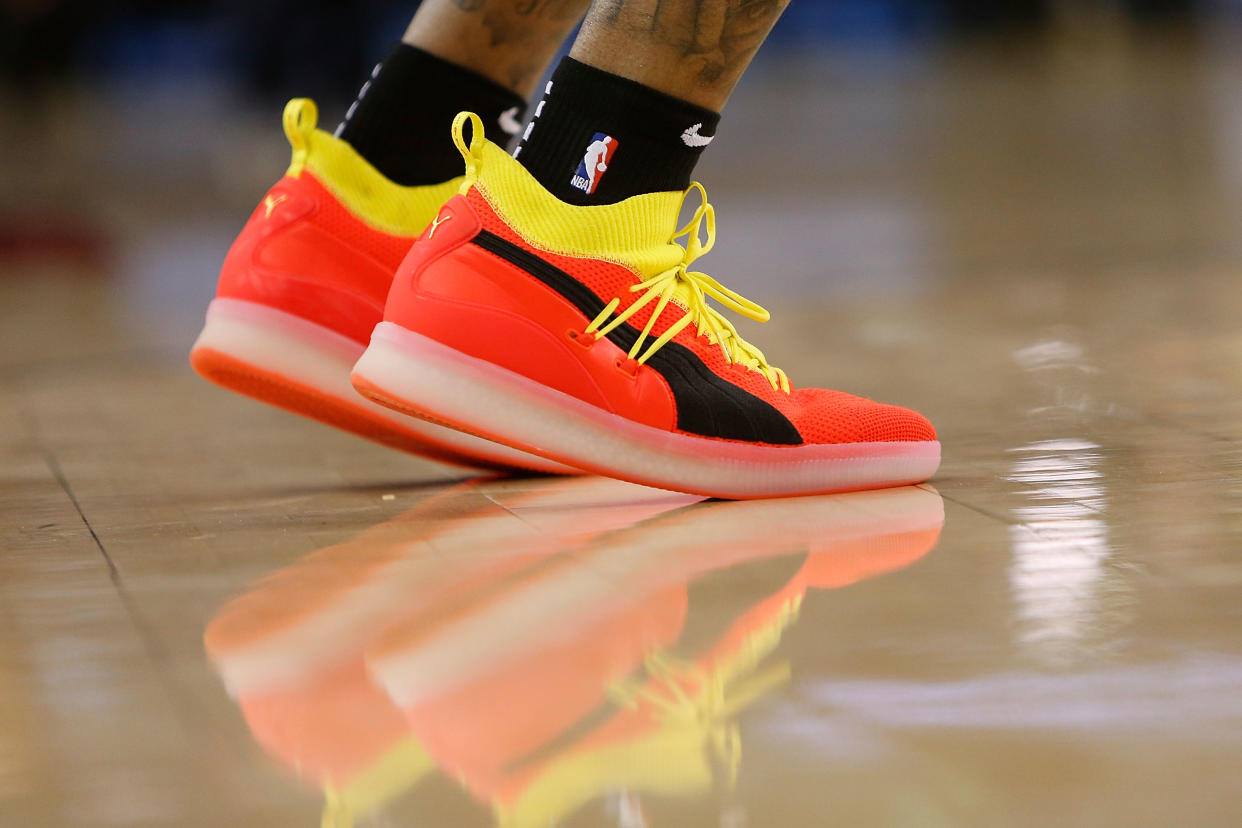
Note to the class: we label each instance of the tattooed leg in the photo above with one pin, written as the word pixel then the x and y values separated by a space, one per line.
pixel 695 50
pixel 508 41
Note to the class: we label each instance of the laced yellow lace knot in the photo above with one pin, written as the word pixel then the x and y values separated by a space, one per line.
pixel 692 289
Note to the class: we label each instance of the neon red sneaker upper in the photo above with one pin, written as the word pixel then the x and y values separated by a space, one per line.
pixel 599 303
pixel 324 242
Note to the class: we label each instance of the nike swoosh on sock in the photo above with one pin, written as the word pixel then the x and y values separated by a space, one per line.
pixel 508 121
pixel 692 138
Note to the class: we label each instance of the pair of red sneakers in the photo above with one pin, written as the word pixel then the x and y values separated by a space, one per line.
pixel 511 330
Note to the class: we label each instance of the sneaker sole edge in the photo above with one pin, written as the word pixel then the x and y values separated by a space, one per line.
pixel 303 368
pixel 419 376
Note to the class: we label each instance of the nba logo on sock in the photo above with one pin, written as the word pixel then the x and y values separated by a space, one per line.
pixel 594 163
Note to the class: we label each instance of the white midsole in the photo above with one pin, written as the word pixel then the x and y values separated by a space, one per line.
pixel 314 356
pixel 447 384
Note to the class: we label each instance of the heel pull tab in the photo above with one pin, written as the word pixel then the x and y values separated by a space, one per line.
pixel 299 120
pixel 472 152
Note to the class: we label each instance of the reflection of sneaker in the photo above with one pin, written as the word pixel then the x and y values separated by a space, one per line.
pixel 290 651
pixel 579 333
pixel 582 677
pixel 304 284
pixel 312 617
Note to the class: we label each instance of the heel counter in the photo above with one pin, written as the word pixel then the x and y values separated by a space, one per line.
pixel 282 206
pixel 455 225
pixel 302 253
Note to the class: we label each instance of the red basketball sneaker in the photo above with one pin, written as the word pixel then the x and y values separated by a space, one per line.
pixel 580 334
pixel 304 284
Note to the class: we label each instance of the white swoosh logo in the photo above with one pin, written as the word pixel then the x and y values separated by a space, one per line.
pixel 508 121
pixel 693 139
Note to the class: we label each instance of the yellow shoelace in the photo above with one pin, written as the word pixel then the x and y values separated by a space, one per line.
pixel 685 694
pixel 693 289
pixel 717 700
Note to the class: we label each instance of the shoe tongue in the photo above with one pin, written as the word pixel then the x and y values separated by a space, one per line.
pixel 682 296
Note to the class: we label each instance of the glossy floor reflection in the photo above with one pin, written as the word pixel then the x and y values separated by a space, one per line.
pixel 589 650
pixel 214 614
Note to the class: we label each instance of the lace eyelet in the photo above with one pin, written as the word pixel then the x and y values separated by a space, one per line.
pixel 622 366
pixel 582 339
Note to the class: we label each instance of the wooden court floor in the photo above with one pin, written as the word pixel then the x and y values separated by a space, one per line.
pixel 213 613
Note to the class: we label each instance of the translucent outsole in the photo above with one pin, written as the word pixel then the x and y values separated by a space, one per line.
pixel 296 365
pixel 419 376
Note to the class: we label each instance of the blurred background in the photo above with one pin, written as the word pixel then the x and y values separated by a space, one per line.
pixel 931 138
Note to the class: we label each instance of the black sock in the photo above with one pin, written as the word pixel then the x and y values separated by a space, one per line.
pixel 400 121
pixel 648 141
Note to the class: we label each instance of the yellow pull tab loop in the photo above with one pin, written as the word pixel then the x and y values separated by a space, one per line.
pixel 472 152
pixel 300 117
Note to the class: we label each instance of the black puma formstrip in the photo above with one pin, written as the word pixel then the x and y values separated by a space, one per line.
pixel 707 404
